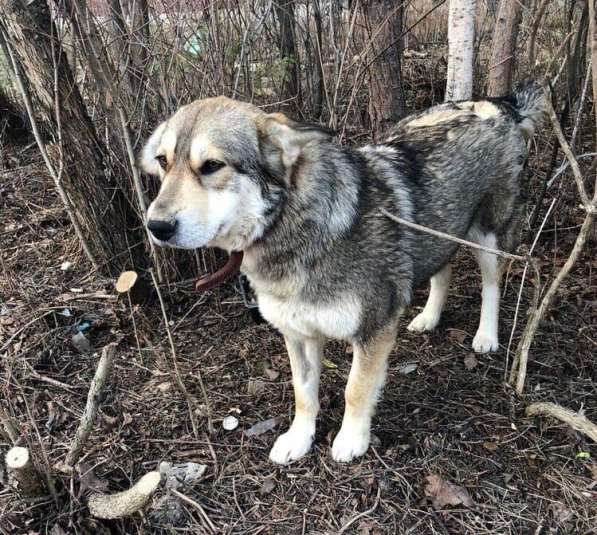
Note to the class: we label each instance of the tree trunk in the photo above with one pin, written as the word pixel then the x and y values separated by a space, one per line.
pixel 318 81
pixel 461 31
pixel 383 20
pixel 503 57
pixel 288 53
pixel 131 44
pixel 75 150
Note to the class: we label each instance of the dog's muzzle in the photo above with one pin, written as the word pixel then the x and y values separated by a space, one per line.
pixel 162 230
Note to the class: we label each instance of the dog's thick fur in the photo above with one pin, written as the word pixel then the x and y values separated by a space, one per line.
pixel 323 260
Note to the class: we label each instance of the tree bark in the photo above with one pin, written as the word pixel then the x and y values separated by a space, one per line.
pixel 76 150
pixel 318 80
pixel 288 53
pixel 461 31
pixel 383 19
pixel 503 57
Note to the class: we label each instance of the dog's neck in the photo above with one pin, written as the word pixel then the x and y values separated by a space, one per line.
pixel 311 216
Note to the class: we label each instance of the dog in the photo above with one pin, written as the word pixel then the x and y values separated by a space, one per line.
pixel 323 260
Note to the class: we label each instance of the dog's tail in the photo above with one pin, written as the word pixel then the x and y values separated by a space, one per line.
pixel 531 105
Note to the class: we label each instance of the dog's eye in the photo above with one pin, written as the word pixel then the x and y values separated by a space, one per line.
pixel 163 161
pixel 211 166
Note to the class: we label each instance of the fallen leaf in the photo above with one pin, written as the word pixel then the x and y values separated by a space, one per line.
pixel 267 486
pixel 261 427
pixel 407 368
pixel 255 386
pixel 81 343
pixel 443 493
pixel 89 479
pixel 470 361
pixel 272 375
pixel 180 475
pixel 164 387
pixel 456 335
pixel 562 513
pixel 329 364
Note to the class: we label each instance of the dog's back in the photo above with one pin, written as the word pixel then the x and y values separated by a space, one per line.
pixel 461 164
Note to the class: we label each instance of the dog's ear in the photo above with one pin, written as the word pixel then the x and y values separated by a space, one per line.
pixel 283 139
pixel 147 161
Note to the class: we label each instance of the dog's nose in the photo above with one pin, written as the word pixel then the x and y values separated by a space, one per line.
pixel 162 230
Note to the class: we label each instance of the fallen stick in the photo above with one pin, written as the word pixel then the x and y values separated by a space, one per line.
pixel 121 504
pixel 23 476
pixel 86 424
pixel 577 421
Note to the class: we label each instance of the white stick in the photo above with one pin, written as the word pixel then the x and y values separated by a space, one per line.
pixel 124 503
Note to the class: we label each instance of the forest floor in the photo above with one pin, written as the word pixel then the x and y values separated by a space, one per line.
pixel 445 413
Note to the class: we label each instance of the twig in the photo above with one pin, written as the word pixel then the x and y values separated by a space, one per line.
pixel 534 28
pixel 22 329
pixel 521 359
pixel 10 428
pixel 450 237
pixel 197 506
pixel 593 41
pixel 588 206
pixel 90 412
pixel 137 184
pixel 210 426
pixel 577 421
pixel 177 376
pixel 361 515
pixel 125 503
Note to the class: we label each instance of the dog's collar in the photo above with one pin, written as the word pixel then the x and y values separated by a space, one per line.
pixel 227 271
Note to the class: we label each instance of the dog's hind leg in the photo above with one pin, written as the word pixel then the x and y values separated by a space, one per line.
pixel 305 361
pixel 365 381
pixel 429 318
pixel 486 338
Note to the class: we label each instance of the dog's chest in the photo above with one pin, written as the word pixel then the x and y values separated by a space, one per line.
pixel 338 318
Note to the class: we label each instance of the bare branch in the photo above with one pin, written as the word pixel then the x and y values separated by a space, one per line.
pixel 86 425
pixel 577 421
pixel 440 234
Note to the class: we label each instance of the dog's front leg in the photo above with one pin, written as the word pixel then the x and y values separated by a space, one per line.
pixel 305 362
pixel 365 381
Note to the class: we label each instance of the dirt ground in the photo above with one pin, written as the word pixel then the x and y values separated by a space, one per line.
pixel 445 412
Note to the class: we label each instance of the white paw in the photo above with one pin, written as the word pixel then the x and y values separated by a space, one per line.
pixel 423 322
pixel 292 445
pixel 484 342
pixel 349 444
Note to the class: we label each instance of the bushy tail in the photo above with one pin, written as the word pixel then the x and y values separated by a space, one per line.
pixel 531 105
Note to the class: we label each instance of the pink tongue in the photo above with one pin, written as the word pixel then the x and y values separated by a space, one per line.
pixel 230 268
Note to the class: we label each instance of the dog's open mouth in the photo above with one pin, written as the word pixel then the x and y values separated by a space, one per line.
pixel 227 271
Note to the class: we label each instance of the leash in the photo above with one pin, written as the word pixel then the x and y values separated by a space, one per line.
pixel 227 271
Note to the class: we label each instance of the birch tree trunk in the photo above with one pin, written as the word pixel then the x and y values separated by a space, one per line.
pixel 503 57
pixel 461 32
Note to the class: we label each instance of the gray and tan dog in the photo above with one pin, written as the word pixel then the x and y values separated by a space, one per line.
pixel 322 260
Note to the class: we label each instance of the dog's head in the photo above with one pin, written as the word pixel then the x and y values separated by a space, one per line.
pixel 225 166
